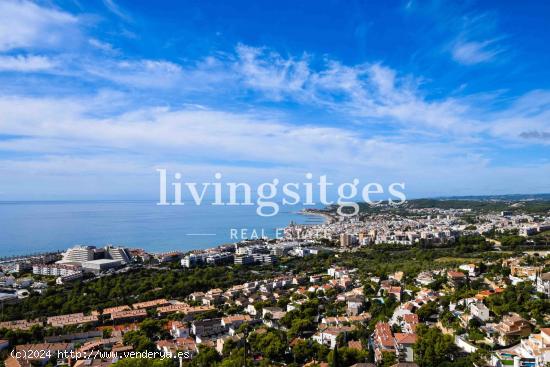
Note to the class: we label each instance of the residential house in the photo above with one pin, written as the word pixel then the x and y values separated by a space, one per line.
pixel 221 342
pixel 151 304
pixel 354 305
pixel 272 315
pixel 512 328
pixel 404 346
pixel 384 341
pixel 71 319
pixel 410 322
pixel 543 284
pixel 20 324
pixel 179 329
pixel 233 322
pixel 471 269
pixel 531 352
pixel 479 311
pixel 129 315
pixel 329 335
pixel 425 278
pixel 207 329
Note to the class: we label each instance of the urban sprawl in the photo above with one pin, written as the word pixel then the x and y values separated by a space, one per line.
pixel 311 298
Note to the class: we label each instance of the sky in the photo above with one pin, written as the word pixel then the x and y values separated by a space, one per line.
pixel 450 98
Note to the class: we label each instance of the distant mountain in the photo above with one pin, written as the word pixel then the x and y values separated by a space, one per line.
pixel 539 203
pixel 508 197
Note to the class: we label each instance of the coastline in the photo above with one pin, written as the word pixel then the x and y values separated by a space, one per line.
pixel 136 224
pixel 328 218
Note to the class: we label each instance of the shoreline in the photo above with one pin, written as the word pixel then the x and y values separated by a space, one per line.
pixel 329 219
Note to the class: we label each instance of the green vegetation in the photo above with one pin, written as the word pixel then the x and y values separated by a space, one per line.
pixel 346 356
pixel 294 345
pixel 520 299
pixel 134 286
pixel 480 205
pixel 433 348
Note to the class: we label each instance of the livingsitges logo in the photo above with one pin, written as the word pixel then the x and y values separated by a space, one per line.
pixel 269 196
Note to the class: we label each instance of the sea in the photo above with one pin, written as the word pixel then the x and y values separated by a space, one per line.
pixel 29 227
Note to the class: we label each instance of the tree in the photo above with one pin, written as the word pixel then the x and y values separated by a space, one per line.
pixel 106 334
pixel 207 357
pixel 236 359
pixel 427 310
pixel 512 241
pixel 432 347
pixel 302 351
pixel 299 326
pixel 335 357
pixel 151 327
pixel 388 359
pixel 271 344
pixel 347 356
pixel 139 341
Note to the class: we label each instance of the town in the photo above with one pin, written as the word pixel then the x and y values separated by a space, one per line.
pixel 422 286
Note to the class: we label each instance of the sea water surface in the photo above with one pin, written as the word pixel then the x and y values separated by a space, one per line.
pixel 30 227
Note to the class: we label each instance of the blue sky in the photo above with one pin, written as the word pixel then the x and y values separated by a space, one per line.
pixel 449 98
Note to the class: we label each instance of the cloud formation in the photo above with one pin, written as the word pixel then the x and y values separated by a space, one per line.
pixel 26 63
pixel 24 24
pixel 248 110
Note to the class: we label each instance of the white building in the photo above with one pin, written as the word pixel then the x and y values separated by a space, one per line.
pixel 179 330
pixel 480 311
pixel 329 336
pixel 97 266
pixel 543 284
pixel 472 269
pixel 118 253
pixel 251 310
pixel 56 270
pixel 78 254
pixel 531 352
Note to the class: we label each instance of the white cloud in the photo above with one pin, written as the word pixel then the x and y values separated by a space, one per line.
pixel 477 39
pixel 24 24
pixel 371 91
pixel 527 120
pixel 475 52
pixel 115 9
pixel 26 63
pixel 272 74
pixel 140 73
pixel 67 141
pixel 195 133
pixel 103 46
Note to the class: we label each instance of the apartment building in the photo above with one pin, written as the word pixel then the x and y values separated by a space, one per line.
pixel 20 324
pixel 384 341
pixel 151 304
pixel 79 254
pixel 71 319
pixel 57 270
pixel 129 315
pixel 207 329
